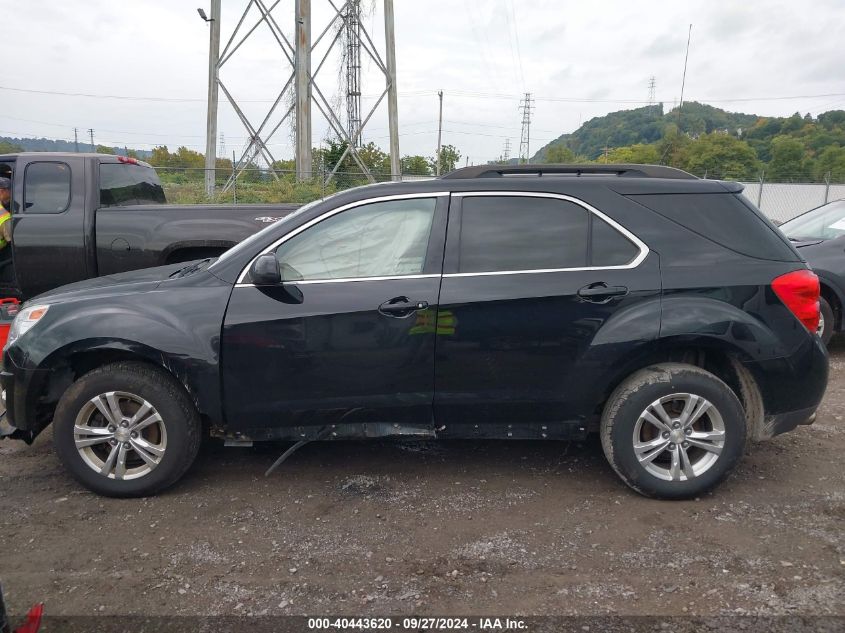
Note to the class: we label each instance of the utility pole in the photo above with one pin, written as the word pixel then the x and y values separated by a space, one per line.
pixel 506 152
pixel 91 134
pixel 211 118
pixel 684 78
pixel 75 140
pixel 525 138
pixel 392 95
pixel 439 132
pixel 302 82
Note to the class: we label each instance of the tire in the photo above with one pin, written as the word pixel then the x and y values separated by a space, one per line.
pixel 155 446
pixel 652 471
pixel 827 322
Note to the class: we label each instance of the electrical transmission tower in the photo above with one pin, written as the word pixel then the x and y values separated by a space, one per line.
pixel 506 151
pixel 352 54
pixel 652 82
pixel 525 138
pixel 297 52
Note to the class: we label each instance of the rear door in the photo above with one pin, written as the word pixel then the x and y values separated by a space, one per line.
pixel 349 336
pixel 49 235
pixel 529 281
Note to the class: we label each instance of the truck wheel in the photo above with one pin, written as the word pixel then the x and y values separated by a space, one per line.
pixel 126 429
pixel 673 431
pixel 827 322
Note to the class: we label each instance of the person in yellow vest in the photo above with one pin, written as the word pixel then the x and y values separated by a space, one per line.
pixel 5 214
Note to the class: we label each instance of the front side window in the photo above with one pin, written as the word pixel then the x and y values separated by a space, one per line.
pixel 125 184
pixel 381 239
pixel 504 233
pixel 46 188
pixel 824 223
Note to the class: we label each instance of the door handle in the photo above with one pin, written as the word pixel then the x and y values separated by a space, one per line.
pixel 601 293
pixel 401 307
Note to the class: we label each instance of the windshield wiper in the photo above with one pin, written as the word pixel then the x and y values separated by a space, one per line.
pixel 190 268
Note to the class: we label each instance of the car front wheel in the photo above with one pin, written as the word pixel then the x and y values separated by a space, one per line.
pixel 673 431
pixel 126 429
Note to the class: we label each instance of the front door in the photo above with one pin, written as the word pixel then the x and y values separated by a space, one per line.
pixel 529 282
pixel 348 337
pixel 48 235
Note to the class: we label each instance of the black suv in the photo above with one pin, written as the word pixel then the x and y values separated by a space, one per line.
pixel 662 311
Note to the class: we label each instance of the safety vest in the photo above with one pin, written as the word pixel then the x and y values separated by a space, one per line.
pixel 5 216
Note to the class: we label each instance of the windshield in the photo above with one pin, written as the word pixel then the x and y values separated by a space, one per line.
pixel 257 238
pixel 825 223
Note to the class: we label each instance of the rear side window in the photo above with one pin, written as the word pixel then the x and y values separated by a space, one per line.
pixel 501 233
pixel 722 218
pixel 124 184
pixel 609 246
pixel 46 187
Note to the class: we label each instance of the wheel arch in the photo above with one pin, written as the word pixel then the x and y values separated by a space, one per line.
pixel 67 364
pixel 715 355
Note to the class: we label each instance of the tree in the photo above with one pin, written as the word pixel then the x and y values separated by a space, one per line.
pixel 375 159
pixel 449 157
pixel 415 166
pixel 832 161
pixel 788 159
pixel 720 155
pixel 9 148
pixel 640 154
pixel 103 149
pixel 559 153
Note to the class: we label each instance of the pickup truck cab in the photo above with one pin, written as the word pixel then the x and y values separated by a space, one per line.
pixel 77 216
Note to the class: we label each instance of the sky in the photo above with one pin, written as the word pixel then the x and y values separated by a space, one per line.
pixel 146 63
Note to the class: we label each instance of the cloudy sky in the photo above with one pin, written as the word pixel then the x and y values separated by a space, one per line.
pixel 146 63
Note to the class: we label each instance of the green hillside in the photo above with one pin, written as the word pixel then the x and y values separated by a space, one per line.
pixel 711 141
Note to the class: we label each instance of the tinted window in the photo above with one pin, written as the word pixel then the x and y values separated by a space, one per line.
pixel 382 239
pixel 610 247
pixel 724 219
pixel 124 184
pixel 46 187
pixel 521 233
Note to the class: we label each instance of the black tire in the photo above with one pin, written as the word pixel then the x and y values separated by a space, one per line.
pixel 179 418
pixel 631 399
pixel 828 324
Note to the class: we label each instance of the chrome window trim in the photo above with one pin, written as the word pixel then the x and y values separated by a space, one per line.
pixel 644 250
pixel 345 280
pixel 401 196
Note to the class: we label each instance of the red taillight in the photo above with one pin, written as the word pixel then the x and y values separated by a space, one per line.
pixel 799 291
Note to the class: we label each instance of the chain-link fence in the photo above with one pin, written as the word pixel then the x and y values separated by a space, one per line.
pixel 780 200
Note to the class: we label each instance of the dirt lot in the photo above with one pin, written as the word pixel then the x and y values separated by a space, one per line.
pixel 457 527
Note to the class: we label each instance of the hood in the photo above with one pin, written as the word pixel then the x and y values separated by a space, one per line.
pixel 133 281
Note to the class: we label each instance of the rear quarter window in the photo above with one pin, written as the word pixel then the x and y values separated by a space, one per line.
pixel 722 218
pixel 124 184
pixel 46 187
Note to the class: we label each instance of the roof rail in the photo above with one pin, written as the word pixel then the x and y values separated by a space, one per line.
pixel 623 171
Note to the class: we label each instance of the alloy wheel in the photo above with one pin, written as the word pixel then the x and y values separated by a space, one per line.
pixel 120 435
pixel 679 437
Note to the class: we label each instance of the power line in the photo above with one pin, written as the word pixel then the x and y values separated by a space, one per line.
pixel 518 51
pixel 420 93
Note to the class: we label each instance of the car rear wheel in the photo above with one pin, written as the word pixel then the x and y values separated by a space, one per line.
pixel 126 429
pixel 826 321
pixel 673 431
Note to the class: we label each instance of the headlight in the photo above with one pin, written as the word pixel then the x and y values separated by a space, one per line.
pixel 25 319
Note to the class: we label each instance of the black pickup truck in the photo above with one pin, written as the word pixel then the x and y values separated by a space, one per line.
pixel 77 216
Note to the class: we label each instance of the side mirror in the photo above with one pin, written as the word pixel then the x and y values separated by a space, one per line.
pixel 265 270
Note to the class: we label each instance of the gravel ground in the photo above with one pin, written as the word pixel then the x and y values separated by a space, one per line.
pixel 434 528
